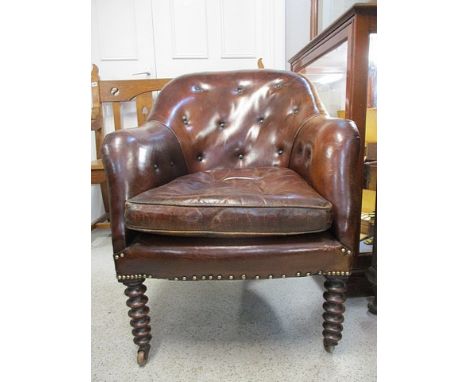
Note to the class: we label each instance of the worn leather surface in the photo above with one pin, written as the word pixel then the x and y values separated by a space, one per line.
pixel 136 160
pixel 326 154
pixel 168 257
pixel 235 119
pixel 231 202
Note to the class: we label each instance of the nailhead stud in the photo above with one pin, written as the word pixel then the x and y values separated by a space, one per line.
pixel 270 276
pixel 243 277
pixel 308 274
pixel 203 277
pixel 231 277
pixel 184 278
pixel 349 252
pixel 343 250
pixel 298 274
pixel 220 277
pixel 176 279
pixel 194 277
pixel 283 276
pixel 210 277
pixel 257 277
pixel 116 257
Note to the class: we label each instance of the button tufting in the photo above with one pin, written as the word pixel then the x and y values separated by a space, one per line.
pixel 185 119
pixel 260 120
pixel 222 124
pixel 199 157
pixel 239 89
pixel 156 167
pixel 196 88
pixel 295 109
pixel 172 164
pixel 280 151
pixel 241 156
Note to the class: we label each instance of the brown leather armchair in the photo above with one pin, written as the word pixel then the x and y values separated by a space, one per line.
pixel 235 175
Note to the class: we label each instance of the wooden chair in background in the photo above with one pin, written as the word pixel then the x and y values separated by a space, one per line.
pixel 116 92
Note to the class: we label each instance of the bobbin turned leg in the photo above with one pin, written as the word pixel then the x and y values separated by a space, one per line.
pixel 335 296
pixel 140 319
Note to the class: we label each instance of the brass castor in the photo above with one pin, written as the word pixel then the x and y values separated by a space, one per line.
pixel 329 348
pixel 142 357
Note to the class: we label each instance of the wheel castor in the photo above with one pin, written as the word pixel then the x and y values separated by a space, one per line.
pixel 329 348
pixel 142 357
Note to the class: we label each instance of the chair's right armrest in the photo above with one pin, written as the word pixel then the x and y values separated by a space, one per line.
pixel 136 160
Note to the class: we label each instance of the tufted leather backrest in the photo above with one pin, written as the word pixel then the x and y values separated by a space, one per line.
pixel 236 119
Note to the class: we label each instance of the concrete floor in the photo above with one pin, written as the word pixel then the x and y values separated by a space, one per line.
pixel 266 330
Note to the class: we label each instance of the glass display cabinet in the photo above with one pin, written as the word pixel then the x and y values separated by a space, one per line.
pixel 340 61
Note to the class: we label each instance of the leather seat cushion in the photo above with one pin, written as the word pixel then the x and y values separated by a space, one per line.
pixel 231 202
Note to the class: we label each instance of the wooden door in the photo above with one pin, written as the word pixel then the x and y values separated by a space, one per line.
pixel 206 35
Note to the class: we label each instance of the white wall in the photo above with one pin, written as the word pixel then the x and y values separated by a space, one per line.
pixel 297 27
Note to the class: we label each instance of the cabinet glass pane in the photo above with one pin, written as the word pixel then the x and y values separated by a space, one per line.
pixel 328 74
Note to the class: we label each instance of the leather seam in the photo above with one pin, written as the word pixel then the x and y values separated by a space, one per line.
pixel 229 206
pixel 178 141
pixel 301 127
pixel 224 233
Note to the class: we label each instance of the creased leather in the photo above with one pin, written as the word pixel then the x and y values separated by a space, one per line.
pixel 231 202
pixel 326 154
pixel 136 160
pixel 235 119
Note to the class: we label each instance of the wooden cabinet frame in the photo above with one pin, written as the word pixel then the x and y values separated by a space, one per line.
pixel 353 27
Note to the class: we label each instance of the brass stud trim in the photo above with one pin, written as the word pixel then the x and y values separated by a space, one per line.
pixel 257 277
pixel 298 274
pixel 283 276
pixel 210 277
pixel 194 278
pixel 176 279
pixel 231 277
pixel 270 276
pixel 308 274
pixel 220 277
pixel 184 278
pixel 203 277
pixel 243 277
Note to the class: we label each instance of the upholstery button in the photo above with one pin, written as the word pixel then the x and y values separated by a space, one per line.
pixel 185 119
pixel 260 120
pixel 172 164
pixel 199 157
pixel 241 156
pixel 156 167
pixel 222 124
pixel 196 88
pixel 239 89
pixel 295 109
pixel 280 151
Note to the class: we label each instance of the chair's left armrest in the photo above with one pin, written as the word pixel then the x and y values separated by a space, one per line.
pixel 326 153
pixel 136 160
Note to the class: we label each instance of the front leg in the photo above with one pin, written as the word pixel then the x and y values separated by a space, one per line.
pixel 140 319
pixel 335 296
